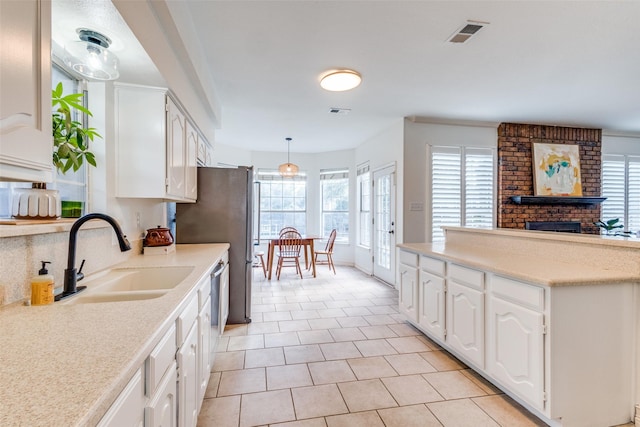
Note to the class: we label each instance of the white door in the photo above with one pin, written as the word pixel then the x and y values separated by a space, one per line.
pixel 465 321
pixel 431 305
pixel 384 239
pixel 408 296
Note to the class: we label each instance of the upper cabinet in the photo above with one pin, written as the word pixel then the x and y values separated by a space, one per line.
pixel 26 143
pixel 156 145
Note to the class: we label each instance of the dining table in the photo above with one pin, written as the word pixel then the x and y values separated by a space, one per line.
pixel 307 242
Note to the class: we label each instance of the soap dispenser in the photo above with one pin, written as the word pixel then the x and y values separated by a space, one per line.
pixel 42 286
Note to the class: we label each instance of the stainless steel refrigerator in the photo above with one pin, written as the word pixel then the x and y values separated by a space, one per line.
pixel 223 213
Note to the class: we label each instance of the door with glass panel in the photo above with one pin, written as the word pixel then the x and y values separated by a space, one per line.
pixel 384 238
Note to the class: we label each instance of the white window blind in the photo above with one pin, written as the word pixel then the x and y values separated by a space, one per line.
pixel 621 187
pixel 462 188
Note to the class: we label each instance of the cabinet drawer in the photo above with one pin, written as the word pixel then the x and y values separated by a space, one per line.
pixel 467 276
pixel 518 292
pixel 432 265
pixel 186 319
pixel 408 258
pixel 160 359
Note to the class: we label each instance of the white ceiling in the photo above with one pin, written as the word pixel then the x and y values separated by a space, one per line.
pixel 552 62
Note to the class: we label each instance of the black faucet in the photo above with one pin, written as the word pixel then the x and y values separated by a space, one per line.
pixel 71 275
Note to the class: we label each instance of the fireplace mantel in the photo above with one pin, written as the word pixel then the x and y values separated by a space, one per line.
pixel 553 200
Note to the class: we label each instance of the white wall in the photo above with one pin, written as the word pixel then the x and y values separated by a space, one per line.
pixel 416 138
pixel 381 150
pixel 620 144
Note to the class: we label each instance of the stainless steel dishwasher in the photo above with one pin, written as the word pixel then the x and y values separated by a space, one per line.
pixel 219 301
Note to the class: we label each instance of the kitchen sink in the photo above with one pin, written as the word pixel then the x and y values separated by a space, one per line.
pixel 138 279
pixel 97 297
pixel 130 284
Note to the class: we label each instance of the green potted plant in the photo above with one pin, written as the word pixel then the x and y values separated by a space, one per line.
pixel 610 226
pixel 70 138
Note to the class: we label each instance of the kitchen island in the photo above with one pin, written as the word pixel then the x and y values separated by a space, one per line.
pixel 550 318
pixel 66 364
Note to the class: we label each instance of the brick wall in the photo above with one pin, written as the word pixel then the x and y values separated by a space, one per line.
pixel 515 176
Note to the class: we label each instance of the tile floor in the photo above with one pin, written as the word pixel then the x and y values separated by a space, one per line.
pixel 334 351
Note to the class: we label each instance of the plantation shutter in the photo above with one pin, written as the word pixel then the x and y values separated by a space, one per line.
pixel 462 188
pixel 633 198
pixel 621 187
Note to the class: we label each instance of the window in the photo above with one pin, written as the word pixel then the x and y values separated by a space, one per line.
pixel 364 206
pixel 334 186
pixel 621 187
pixel 283 202
pixel 462 187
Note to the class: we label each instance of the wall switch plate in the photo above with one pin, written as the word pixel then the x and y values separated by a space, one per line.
pixel 416 206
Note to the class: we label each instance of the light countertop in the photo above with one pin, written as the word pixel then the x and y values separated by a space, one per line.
pixel 533 268
pixel 64 365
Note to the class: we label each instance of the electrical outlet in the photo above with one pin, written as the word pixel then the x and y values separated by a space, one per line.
pixel 138 225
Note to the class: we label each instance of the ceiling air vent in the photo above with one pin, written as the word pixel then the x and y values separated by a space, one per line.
pixel 335 110
pixel 465 33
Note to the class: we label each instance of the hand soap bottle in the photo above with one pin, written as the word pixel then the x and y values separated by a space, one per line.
pixel 42 286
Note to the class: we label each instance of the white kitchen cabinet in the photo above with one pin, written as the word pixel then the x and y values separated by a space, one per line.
pixel 515 344
pixel 162 410
pixel 205 152
pixel 465 313
pixel 431 306
pixel 188 384
pixel 408 291
pixel 128 409
pixel 224 296
pixel 26 143
pixel 153 157
pixel 204 350
pixel 191 163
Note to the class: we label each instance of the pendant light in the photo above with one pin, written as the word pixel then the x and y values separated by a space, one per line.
pixel 288 170
pixel 90 56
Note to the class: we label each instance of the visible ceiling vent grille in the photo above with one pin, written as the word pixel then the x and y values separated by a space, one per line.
pixel 335 110
pixel 465 33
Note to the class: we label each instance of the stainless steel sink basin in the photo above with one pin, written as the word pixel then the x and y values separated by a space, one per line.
pixel 97 297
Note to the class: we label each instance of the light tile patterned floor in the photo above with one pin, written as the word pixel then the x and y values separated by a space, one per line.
pixel 334 351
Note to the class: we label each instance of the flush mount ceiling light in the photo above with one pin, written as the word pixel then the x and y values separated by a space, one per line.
pixel 340 80
pixel 288 170
pixel 90 56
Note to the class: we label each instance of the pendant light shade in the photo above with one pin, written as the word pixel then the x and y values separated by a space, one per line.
pixel 90 56
pixel 288 170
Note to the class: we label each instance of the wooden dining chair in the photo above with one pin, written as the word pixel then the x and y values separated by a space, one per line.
pixel 328 252
pixel 289 245
pixel 285 229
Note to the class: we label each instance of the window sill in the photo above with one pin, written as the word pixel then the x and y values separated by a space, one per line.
pixel 11 228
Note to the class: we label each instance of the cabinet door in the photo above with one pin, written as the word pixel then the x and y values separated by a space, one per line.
pixel 465 321
pixel 224 298
pixel 431 306
pixel 176 160
pixel 204 347
pixel 191 163
pixel 187 358
pixel 128 409
pixel 25 91
pixel 162 410
pixel 409 291
pixel 515 353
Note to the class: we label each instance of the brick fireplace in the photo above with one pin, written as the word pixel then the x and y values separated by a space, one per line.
pixel 515 176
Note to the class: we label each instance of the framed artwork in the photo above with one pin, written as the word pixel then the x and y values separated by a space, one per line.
pixel 556 170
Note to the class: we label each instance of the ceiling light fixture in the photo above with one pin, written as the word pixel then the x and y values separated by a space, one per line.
pixel 340 80
pixel 90 56
pixel 288 170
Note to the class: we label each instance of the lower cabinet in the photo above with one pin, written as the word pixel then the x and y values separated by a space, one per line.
pixel 431 306
pixel 516 349
pixel 127 410
pixel 162 409
pixel 204 347
pixel 408 290
pixel 188 384
pixel 465 321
